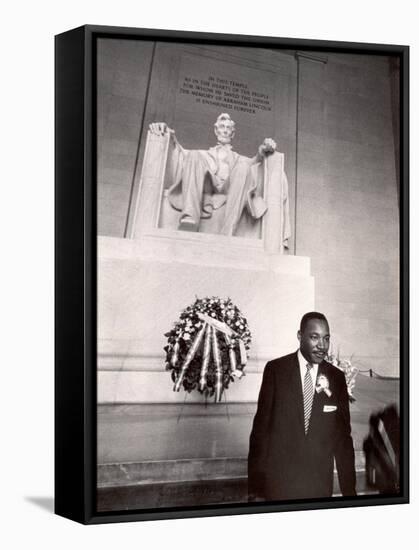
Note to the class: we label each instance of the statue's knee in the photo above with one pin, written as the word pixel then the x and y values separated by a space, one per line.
pixel 197 159
pixel 195 154
pixel 241 168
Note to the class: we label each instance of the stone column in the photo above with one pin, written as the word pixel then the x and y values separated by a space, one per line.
pixel 310 138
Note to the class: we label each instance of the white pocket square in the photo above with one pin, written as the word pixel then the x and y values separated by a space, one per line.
pixel 329 408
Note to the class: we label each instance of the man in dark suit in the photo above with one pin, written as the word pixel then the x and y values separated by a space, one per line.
pixel 302 423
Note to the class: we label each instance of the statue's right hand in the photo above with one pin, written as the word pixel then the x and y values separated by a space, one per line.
pixel 159 128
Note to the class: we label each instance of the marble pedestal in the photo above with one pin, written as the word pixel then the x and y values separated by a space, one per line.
pixel 144 284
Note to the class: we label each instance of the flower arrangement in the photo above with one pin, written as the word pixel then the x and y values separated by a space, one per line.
pixel 207 347
pixel 350 372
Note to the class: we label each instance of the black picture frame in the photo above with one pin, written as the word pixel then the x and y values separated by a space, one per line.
pixel 76 265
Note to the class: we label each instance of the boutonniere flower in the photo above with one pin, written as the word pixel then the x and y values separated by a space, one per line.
pixel 322 384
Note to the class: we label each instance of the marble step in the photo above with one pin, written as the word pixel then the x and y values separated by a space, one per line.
pixel 203 492
pixel 180 471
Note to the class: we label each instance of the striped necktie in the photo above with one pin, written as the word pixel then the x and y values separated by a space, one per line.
pixel 308 393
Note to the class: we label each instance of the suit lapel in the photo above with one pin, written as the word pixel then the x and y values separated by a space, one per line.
pixel 297 390
pixel 318 399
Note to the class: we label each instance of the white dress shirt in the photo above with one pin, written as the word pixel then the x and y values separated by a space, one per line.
pixel 303 369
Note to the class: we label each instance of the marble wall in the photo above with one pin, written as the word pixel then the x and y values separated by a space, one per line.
pixel 123 69
pixel 347 205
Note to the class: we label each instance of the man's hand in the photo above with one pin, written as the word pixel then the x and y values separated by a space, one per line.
pixel 160 128
pixel 267 148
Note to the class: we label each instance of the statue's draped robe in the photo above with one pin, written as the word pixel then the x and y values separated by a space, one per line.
pixel 197 188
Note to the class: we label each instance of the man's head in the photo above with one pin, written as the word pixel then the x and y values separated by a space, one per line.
pixel 314 337
pixel 224 129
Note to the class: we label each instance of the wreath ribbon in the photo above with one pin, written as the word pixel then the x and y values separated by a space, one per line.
pixel 209 329
pixel 228 333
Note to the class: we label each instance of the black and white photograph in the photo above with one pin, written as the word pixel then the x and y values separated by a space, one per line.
pixel 249 312
pixel 209 274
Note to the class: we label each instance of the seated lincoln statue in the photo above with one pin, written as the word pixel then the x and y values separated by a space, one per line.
pixel 204 181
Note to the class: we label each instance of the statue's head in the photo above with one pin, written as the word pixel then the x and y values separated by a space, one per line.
pixel 224 128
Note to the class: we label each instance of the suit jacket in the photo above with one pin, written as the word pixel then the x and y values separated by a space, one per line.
pixel 284 462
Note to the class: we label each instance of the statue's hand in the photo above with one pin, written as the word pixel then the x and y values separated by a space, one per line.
pixel 159 128
pixel 268 147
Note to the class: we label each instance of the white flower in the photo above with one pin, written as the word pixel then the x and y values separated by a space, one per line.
pixel 186 336
pixel 322 384
pixel 345 364
pixel 237 373
pixel 322 381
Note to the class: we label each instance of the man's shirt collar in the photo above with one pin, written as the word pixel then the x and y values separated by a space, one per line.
pixel 302 362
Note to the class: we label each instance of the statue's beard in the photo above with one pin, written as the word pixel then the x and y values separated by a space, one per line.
pixel 224 140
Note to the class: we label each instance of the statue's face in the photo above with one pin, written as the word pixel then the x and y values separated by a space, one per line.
pixel 224 130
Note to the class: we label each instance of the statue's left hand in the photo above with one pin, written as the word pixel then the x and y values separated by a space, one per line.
pixel 268 147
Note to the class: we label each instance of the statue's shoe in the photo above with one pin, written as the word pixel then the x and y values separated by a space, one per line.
pixel 188 224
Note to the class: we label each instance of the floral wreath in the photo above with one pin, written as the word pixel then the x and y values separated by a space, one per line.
pixel 207 347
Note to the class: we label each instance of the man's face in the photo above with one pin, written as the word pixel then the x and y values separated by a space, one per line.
pixel 224 131
pixel 314 340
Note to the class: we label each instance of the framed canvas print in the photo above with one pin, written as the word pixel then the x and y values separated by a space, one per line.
pixel 231 274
